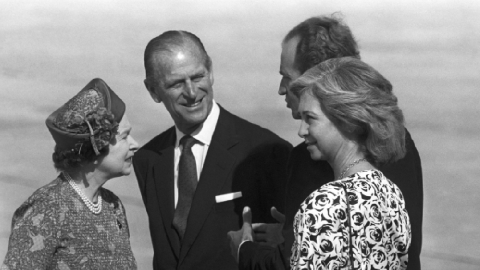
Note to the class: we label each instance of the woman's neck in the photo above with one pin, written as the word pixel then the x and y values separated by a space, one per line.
pixel 89 183
pixel 350 162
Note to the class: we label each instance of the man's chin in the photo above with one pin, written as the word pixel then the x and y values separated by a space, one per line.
pixel 189 125
pixel 189 120
pixel 296 115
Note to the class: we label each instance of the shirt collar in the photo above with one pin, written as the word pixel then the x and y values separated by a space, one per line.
pixel 205 131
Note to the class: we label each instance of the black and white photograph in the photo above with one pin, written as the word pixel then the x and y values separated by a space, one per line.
pixel 240 134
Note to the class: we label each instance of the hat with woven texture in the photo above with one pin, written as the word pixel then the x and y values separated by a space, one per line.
pixel 91 116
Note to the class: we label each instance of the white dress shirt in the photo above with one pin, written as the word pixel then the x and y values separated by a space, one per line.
pixel 203 134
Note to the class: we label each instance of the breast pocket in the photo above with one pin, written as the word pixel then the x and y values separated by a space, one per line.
pixel 230 206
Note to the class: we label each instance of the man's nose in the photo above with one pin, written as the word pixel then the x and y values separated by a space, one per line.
pixel 282 90
pixel 190 90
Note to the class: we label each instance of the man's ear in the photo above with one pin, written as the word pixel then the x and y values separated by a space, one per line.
pixel 211 74
pixel 151 91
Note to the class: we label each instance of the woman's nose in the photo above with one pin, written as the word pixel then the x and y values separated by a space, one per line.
pixel 302 131
pixel 133 144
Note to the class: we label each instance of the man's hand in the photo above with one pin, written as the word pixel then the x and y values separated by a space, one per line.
pixel 244 234
pixel 270 234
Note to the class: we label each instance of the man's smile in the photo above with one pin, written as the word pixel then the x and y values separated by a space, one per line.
pixel 194 104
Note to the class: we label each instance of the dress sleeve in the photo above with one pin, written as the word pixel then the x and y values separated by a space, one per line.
pixel 321 239
pixel 32 241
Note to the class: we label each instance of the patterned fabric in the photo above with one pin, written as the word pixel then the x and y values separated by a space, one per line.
pixel 78 107
pixel 85 114
pixel 54 229
pixel 380 226
pixel 91 115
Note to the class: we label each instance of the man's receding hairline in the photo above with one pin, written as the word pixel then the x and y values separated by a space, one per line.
pixel 285 41
pixel 171 49
pixel 186 44
pixel 287 38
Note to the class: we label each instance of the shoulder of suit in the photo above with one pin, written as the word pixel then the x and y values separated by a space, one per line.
pixel 301 147
pixel 409 142
pixel 158 141
pixel 246 128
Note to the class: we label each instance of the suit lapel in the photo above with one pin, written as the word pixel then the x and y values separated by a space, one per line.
pixel 218 165
pixel 163 173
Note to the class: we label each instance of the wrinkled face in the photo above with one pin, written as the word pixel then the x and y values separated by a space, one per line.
pixel 322 137
pixel 184 84
pixel 289 73
pixel 118 161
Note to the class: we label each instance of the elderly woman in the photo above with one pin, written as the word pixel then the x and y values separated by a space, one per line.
pixel 351 119
pixel 73 222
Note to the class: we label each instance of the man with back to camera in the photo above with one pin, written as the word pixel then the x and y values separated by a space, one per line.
pixel 307 44
pixel 196 177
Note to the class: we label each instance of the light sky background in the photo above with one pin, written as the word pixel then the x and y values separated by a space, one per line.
pixel 429 50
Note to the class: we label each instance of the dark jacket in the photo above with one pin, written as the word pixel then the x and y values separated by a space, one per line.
pixel 241 157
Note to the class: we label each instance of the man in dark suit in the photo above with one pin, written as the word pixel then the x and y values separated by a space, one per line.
pixel 307 44
pixel 196 177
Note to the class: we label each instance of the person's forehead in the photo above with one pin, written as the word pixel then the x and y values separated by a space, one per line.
pixel 289 51
pixel 289 47
pixel 307 100
pixel 166 60
pixel 124 124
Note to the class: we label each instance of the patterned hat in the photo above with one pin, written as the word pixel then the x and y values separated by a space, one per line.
pixel 91 116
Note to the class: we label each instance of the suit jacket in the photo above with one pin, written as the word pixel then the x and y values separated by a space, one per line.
pixel 241 157
pixel 307 175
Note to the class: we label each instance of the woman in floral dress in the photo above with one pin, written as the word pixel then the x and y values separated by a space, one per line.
pixel 351 119
pixel 73 222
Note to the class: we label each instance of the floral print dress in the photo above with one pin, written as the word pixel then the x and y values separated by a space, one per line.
pixel 370 231
pixel 54 229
